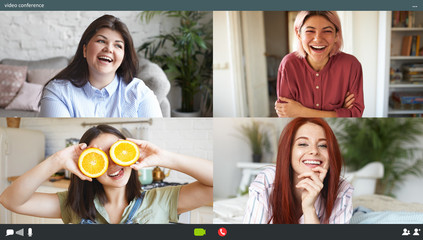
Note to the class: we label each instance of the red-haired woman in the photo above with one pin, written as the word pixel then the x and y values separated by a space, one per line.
pixel 305 186
pixel 318 80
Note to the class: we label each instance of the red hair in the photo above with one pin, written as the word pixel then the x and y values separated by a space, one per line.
pixel 284 208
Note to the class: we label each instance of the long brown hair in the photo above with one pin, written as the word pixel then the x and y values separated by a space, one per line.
pixel 77 71
pixel 284 208
pixel 82 193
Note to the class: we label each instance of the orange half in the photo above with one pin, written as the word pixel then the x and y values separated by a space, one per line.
pixel 124 153
pixel 93 162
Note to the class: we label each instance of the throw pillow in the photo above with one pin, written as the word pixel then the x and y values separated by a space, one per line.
pixel 11 80
pixel 41 76
pixel 28 98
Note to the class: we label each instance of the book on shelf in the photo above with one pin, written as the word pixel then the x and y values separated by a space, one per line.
pixel 416 81
pixel 411 18
pixel 413 46
pixel 412 69
pixel 410 45
pixel 415 74
pixel 406 45
pixel 408 97
pixel 407 82
pixel 404 19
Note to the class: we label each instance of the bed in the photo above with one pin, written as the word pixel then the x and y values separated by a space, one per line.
pixel 368 209
pixel 379 209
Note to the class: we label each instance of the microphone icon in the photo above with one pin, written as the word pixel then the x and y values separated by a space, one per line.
pixel 29 232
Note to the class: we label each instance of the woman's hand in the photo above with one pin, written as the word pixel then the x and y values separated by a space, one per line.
pixel 311 184
pixel 21 196
pixel 192 195
pixel 150 154
pixel 68 159
pixel 348 101
pixel 290 108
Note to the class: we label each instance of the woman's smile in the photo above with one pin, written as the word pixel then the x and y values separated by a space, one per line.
pixel 309 149
pixel 104 52
pixel 318 48
pixel 318 37
pixel 116 174
pixel 105 59
pixel 312 163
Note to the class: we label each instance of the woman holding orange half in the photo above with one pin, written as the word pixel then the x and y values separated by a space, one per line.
pixel 116 195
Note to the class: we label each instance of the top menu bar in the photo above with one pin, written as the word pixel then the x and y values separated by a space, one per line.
pixel 216 5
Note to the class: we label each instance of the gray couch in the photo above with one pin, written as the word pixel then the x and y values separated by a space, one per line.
pixel 149 72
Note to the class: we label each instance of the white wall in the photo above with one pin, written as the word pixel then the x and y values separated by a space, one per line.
pixel 365 49
pixel 223 83
pixel 230 148
pixel 192 137
pixel 38 35
pixel 411 189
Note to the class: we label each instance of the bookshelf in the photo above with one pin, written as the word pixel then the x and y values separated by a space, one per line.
pixel 405 71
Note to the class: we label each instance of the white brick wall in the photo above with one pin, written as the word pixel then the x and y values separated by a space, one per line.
pixel 38 35
pixel 192 137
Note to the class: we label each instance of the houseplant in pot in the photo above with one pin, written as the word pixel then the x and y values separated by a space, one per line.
pixel 391 141
pixel 185 54
pixel 256 136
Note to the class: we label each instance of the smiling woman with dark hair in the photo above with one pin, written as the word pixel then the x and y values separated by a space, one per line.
pixel 318 80
pixel 100 80
pixel 305 186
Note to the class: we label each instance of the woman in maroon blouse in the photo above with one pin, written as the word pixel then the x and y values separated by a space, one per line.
pixel 318 80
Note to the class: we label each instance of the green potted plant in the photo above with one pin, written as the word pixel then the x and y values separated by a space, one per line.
pixel 256 136
pixel 188 61
pixel 386 140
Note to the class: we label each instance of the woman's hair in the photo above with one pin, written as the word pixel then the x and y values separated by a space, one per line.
pixel 77 71
pixel 284 208
pixel 82 193
pixel 331 16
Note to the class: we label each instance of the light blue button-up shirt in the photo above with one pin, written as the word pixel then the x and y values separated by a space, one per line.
pixel 118 99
